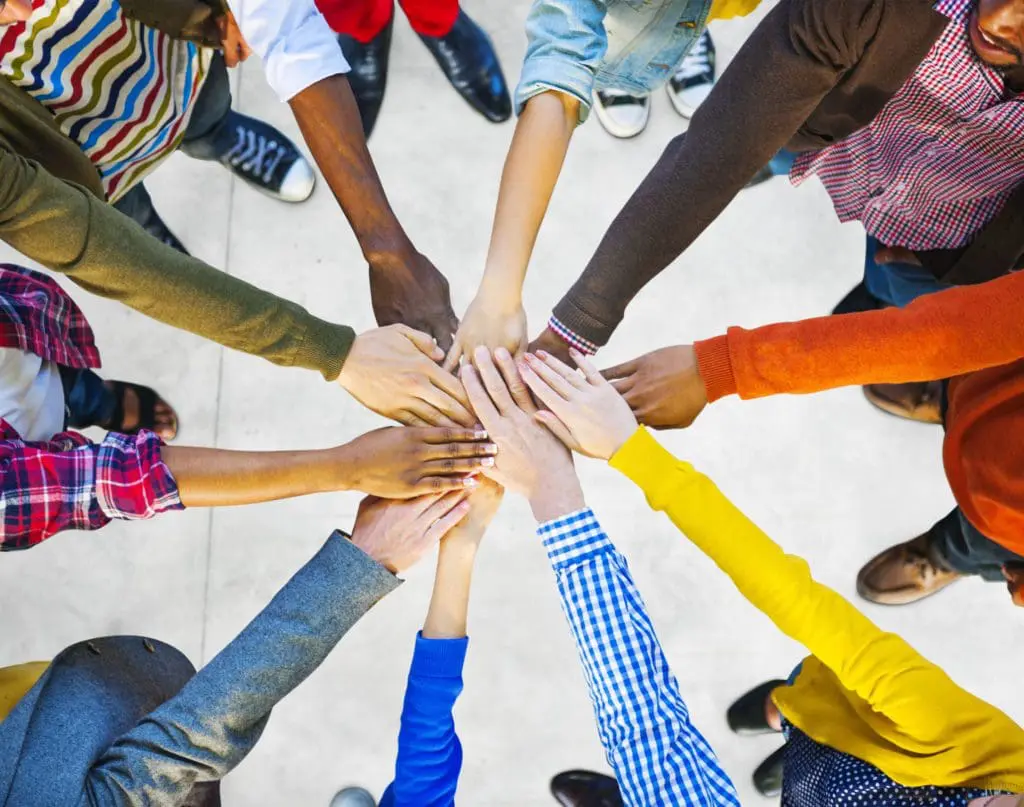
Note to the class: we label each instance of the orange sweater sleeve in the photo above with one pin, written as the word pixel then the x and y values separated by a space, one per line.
pixel 940 335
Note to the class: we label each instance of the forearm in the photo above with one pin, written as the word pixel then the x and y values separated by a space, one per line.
pixel 216 477
pixel 937 336
pixel 329 119
pixel 449 602
pixel 760 101
pixel 528 180
pixel 71 232
pixel 657 754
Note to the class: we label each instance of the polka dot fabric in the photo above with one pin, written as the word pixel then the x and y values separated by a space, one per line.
pixel 819 776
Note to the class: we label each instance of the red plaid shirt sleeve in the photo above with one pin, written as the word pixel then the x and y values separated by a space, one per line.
pixel 70 483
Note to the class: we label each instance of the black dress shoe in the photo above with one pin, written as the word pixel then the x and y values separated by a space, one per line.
pixel 155 226
pixel 369 74
pixel 746 715
pixel 858 299
pixel 467 58
pixel 768 776
pixel 586 789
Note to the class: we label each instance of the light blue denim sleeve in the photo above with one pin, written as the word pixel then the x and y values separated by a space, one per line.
pixel 209 727
pixel 566 42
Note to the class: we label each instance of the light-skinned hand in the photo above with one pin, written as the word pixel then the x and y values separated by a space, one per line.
pixel 403 462
pixel 490 324
pixel 12 11
pixel 236 50
pixel 396 534
pixel 586 412
pixel 484 502
pixel 394 371
pixel 663 388
pixel 530 460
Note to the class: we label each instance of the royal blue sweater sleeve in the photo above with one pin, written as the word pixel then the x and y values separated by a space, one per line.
pixel 429 752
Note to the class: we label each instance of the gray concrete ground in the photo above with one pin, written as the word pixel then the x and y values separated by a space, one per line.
pixel 828 476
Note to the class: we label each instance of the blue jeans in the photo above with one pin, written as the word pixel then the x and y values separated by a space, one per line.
pixel 87 400
pixel 962 548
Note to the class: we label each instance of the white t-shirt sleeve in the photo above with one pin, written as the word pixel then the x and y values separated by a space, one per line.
pixel 294 41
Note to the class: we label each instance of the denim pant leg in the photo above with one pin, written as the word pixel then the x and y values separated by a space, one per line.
pixel 896 283
pixel 87 401
pixel 960 545
pixel 213 107
pixel 210 111
pixel 782 163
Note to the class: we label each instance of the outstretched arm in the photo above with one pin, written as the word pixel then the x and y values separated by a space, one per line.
pixel 429 753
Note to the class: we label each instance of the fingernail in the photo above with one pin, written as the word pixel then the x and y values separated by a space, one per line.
pixel 530 357
pixel 480 434
pixel 491 448
pixel 469 482
pixel 487 462
pixel 543 354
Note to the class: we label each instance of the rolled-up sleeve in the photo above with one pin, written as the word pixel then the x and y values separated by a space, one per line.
pixel 566 42
pixel 294 41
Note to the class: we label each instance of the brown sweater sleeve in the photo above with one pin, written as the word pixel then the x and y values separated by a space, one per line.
pixel 68 230
pixel 790 62
pixel 937 336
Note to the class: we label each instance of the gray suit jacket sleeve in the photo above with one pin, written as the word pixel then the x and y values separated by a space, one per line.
pixel 216 719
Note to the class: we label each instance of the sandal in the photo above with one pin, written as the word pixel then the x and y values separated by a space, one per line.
pixel 148 399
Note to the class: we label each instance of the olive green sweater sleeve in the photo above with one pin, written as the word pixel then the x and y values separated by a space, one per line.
pixel 68 230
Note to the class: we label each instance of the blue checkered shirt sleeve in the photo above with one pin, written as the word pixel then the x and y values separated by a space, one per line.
pixel 657 754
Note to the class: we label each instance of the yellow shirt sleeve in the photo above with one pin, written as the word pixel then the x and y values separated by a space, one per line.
pixel 727 9
pixel 881 668
pixel 16 681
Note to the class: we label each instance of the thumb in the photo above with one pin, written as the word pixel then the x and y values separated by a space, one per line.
pixel 423 342
pixel 557 428
pixel 451 362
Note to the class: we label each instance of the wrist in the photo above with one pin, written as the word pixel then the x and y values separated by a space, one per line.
pixel 501 293
pixel 391 253
pixel 341 473
pixel 554 500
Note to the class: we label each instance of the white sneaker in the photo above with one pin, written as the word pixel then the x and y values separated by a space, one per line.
pixel 353 797
pixel 695 77
pixel 622 114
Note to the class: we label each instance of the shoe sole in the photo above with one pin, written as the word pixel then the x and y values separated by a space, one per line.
pixel 683 110
pixel 898 597
pixel 615 130
pixel 272 194
pixel 896 410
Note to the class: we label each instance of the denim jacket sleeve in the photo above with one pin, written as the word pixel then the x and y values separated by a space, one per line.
pixel 566 42
pixel 216 719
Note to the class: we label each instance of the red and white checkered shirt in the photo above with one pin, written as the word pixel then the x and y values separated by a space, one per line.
pixel 941 158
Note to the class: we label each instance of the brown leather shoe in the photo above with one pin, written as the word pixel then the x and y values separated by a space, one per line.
pixel 920 400
pixel 904 573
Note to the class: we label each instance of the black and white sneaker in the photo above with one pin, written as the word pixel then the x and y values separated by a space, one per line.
pixel 621 114
pixel 263 157
pixel 695 77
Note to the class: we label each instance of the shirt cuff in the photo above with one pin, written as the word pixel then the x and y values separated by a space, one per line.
pixel 574 538
pixel 714 363
pixel 439 658
pixel 546 74
pixel 584 346
pixel 132 480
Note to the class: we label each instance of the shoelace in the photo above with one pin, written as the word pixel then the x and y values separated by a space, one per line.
pixel 696 63
pixel 255 154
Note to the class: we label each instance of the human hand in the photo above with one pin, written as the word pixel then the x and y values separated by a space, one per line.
pixel 408 289
pixel 400 463
pixel 586 412
pixel 12 11
pixel 489 323
pixel 885 255
pixel 530 460
pixel 396 534
pixel 483 505
pixel 663 388
pixel 394 372
pixel 552 343
pixel 236 49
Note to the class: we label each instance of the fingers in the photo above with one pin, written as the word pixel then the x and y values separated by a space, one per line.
pixel 624 370
pixel 446 523
pixel 623 385
pixel 407 418
pixel 429 415
pixel 564 370
pixel 451 361
pixel 547 396
pixel 590 371
pixel 557 428
pixel 516 387
pixel 478 397
pixel 452 411
pixel 444 484
pixel 459 435
pixel 423 342
pixel 455 402
pixel 492 381
pixel 443 451
pixel 552 378
pixel 439 506
pixel 457 465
